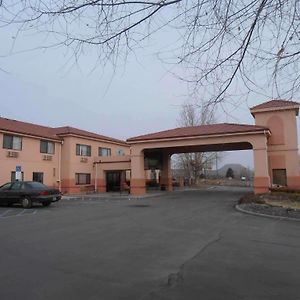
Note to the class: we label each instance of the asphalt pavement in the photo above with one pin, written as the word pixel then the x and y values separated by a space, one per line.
pixel 181 245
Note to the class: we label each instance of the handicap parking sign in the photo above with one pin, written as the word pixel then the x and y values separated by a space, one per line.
pixel 18 169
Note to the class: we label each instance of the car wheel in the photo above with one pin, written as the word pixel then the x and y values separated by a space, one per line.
pixel 46 203
pixel 26 202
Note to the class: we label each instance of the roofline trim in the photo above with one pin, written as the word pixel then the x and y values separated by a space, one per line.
pixel 92 138
pixel 40 137
pixel 276 108
pixel 164 139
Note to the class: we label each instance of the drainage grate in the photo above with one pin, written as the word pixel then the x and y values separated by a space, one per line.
pixel 139 205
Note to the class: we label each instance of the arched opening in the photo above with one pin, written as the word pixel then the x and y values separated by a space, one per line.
pixel 196 164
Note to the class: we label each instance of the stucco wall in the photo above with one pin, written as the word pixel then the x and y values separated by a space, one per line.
pixel 31 160
pixel 72 163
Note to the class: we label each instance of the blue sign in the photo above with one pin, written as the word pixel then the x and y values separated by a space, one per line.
pixel 18 169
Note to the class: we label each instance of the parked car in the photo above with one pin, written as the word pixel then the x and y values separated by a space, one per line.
pixel 28 192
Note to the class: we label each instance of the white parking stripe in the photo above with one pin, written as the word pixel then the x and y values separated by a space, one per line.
pixel 5 213
pixel 8 213
pixel 21 213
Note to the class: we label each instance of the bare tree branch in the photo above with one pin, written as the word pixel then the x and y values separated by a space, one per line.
pixel 238 41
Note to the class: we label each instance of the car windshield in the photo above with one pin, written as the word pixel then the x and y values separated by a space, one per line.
pixel 5 186
pixel 35 185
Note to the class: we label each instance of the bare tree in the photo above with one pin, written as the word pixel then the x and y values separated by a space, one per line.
pixel 194 165
pixel 236 45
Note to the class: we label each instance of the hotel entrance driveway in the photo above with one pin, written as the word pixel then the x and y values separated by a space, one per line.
pixel 183 245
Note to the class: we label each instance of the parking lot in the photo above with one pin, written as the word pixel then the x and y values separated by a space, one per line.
pixel 182 245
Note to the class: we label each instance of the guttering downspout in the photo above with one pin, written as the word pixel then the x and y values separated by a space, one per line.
pixel 59 165
pixel 96 173
pixel 95 163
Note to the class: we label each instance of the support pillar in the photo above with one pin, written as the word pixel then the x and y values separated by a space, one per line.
pixel 100 179
pixel 166 174
pixel 261 174
pixel 138 180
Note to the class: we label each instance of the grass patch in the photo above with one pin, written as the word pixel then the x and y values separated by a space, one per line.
pixel 276 199
pixel 288 204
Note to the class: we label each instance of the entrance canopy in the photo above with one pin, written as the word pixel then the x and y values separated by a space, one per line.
pixel 203 138
pixel 159 146
pixel 202 130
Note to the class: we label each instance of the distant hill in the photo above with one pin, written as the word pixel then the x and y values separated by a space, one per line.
pixel 238 171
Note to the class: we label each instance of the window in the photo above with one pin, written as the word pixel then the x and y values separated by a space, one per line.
pixel 5 186
pixel 279 177
pixel 12 142
pixel 35 185
pixel 104 151
pixel 47 147
pixel 83 150
pixel 13 176
pixel 18 185
pixel 82 178
pixel 120 152
pixel 38 176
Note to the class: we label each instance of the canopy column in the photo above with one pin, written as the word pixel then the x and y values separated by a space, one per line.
pixel 261 181
pixel 138 180
pixel 166 173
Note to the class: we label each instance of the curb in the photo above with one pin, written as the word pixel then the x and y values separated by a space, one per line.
pixel 238 208
pixel 111 197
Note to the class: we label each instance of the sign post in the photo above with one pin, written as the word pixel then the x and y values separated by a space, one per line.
pixel 18 173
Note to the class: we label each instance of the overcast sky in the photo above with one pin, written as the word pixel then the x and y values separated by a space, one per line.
pixel 138 97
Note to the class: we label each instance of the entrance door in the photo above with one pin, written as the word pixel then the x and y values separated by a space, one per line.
pixel 113 181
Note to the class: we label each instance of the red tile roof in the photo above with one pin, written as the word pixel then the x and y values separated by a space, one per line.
pixel 275 103
pixel 19 127
pixel 67 130
pixel 202 130
pixel 27 128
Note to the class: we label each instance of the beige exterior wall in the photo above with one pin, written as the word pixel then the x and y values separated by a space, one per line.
pixel 72 163
pixel 31 160
pixel 64 164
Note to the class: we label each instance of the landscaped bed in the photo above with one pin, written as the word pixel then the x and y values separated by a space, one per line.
pixel 281 204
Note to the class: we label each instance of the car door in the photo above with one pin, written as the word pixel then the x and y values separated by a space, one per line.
pixel 5 193
pixel 16 191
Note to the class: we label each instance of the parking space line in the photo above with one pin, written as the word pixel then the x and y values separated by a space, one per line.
pixel 21 213
pixel 24 212
pixel 5 213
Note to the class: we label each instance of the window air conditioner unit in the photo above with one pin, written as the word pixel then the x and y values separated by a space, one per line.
pixel 83 159
pixel 12 154
pixel 47 157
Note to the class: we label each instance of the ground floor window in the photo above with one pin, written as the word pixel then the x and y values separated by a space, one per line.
pixel 38 176
pixel 82 178
pixel 13 176
pixel 279 177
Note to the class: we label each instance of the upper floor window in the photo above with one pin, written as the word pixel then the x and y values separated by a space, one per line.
pixel 12 142
pixel 104 151
pixel 120 152
pixel 47 147
pixel 83 150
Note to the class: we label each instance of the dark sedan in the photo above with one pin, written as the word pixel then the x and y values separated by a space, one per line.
pixel 28 192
